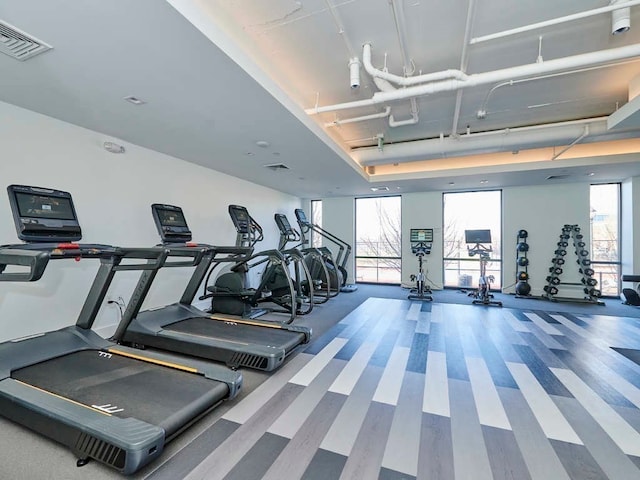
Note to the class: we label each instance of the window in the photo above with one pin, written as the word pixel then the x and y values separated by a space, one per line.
pixel 605 237
pixel 378 240
pixel 316 219
pixel 471 211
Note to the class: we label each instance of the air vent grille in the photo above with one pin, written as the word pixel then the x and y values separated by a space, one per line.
pixel 18 44
pixel 248 360
pixel 276 166
pixel 557 177
pixel 379 189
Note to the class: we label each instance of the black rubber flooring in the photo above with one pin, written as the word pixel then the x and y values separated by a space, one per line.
pixel 158 395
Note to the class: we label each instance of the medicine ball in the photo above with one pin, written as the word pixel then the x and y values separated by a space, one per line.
pixel 523 234
pixel 523 288
pixel 523 247
pixel 523 261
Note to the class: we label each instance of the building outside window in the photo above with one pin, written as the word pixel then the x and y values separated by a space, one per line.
pixel 471 211
pixel 378 248
pixel 605 237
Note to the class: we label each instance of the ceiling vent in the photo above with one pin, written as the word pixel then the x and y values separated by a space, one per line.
pixel 275 167
pixel 557 177
pixel 379 189
pixel 18 44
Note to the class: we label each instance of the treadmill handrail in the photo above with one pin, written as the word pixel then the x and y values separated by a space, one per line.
pixel 36 261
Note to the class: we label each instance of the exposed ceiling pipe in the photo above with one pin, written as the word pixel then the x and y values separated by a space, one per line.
pixel 405 81
pixel 482 111
pixel 340 27
pixel 408 66
pixel 577 140
pixel 464 60
pixel 474 80
pixel 555 21
pixel 410 121
pixel 486 142
pixel 337 123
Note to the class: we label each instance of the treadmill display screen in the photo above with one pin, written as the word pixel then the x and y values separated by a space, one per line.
pixel 171 218
pixel 44 206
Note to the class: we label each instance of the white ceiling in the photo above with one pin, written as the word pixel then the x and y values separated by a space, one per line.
pixel 220 75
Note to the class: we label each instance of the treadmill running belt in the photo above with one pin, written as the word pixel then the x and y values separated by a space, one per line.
pixel 237 332
pixel 125 387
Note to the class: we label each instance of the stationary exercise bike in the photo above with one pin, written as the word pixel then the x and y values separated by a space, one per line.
pixel 477 241
pixel 421 241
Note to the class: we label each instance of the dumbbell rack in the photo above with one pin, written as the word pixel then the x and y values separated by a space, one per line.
pixel 523 289
pixel 587 282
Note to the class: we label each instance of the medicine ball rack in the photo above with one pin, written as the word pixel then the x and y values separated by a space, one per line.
pixel 523 288
pixel 587 283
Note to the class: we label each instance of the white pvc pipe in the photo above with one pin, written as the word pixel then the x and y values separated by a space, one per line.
pixel 410 121
pixel 405 81
pixel 485 142
pixel 555 21
pixel 337 123
pixel 549 66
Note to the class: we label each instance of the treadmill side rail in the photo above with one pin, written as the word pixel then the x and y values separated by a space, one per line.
pixel 125 444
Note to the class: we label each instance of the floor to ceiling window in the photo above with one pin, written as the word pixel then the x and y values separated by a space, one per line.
pixel 605 237
pixel 471 211
pixel 316 219
pixel 378 246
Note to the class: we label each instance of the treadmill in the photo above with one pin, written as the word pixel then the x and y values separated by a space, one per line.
pixel 183 328
pixel 104 401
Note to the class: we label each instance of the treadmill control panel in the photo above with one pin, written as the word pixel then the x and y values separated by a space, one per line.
pixel 171 224
pixel 283 224
pixel 43 215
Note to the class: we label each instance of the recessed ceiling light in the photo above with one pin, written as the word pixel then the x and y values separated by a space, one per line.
pixel 452 183
pixel 262 143
pixel 482 182
pixel 134 100
pixel 250 154
pixel 590 174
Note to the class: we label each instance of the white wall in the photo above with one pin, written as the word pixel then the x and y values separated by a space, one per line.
pixel 422 210
pixel 112 194
pixel 542 210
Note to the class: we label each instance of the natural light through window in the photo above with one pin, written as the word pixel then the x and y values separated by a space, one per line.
pixel 378 240
pixel 605 237
pixel 471 211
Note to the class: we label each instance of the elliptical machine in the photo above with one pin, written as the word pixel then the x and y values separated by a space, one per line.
pixel 477 241
pixel 336 267
pixel 230 293
pixel 316 287
pixel 421 241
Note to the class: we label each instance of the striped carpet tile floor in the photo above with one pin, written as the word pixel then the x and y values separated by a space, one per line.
pixel 405 390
